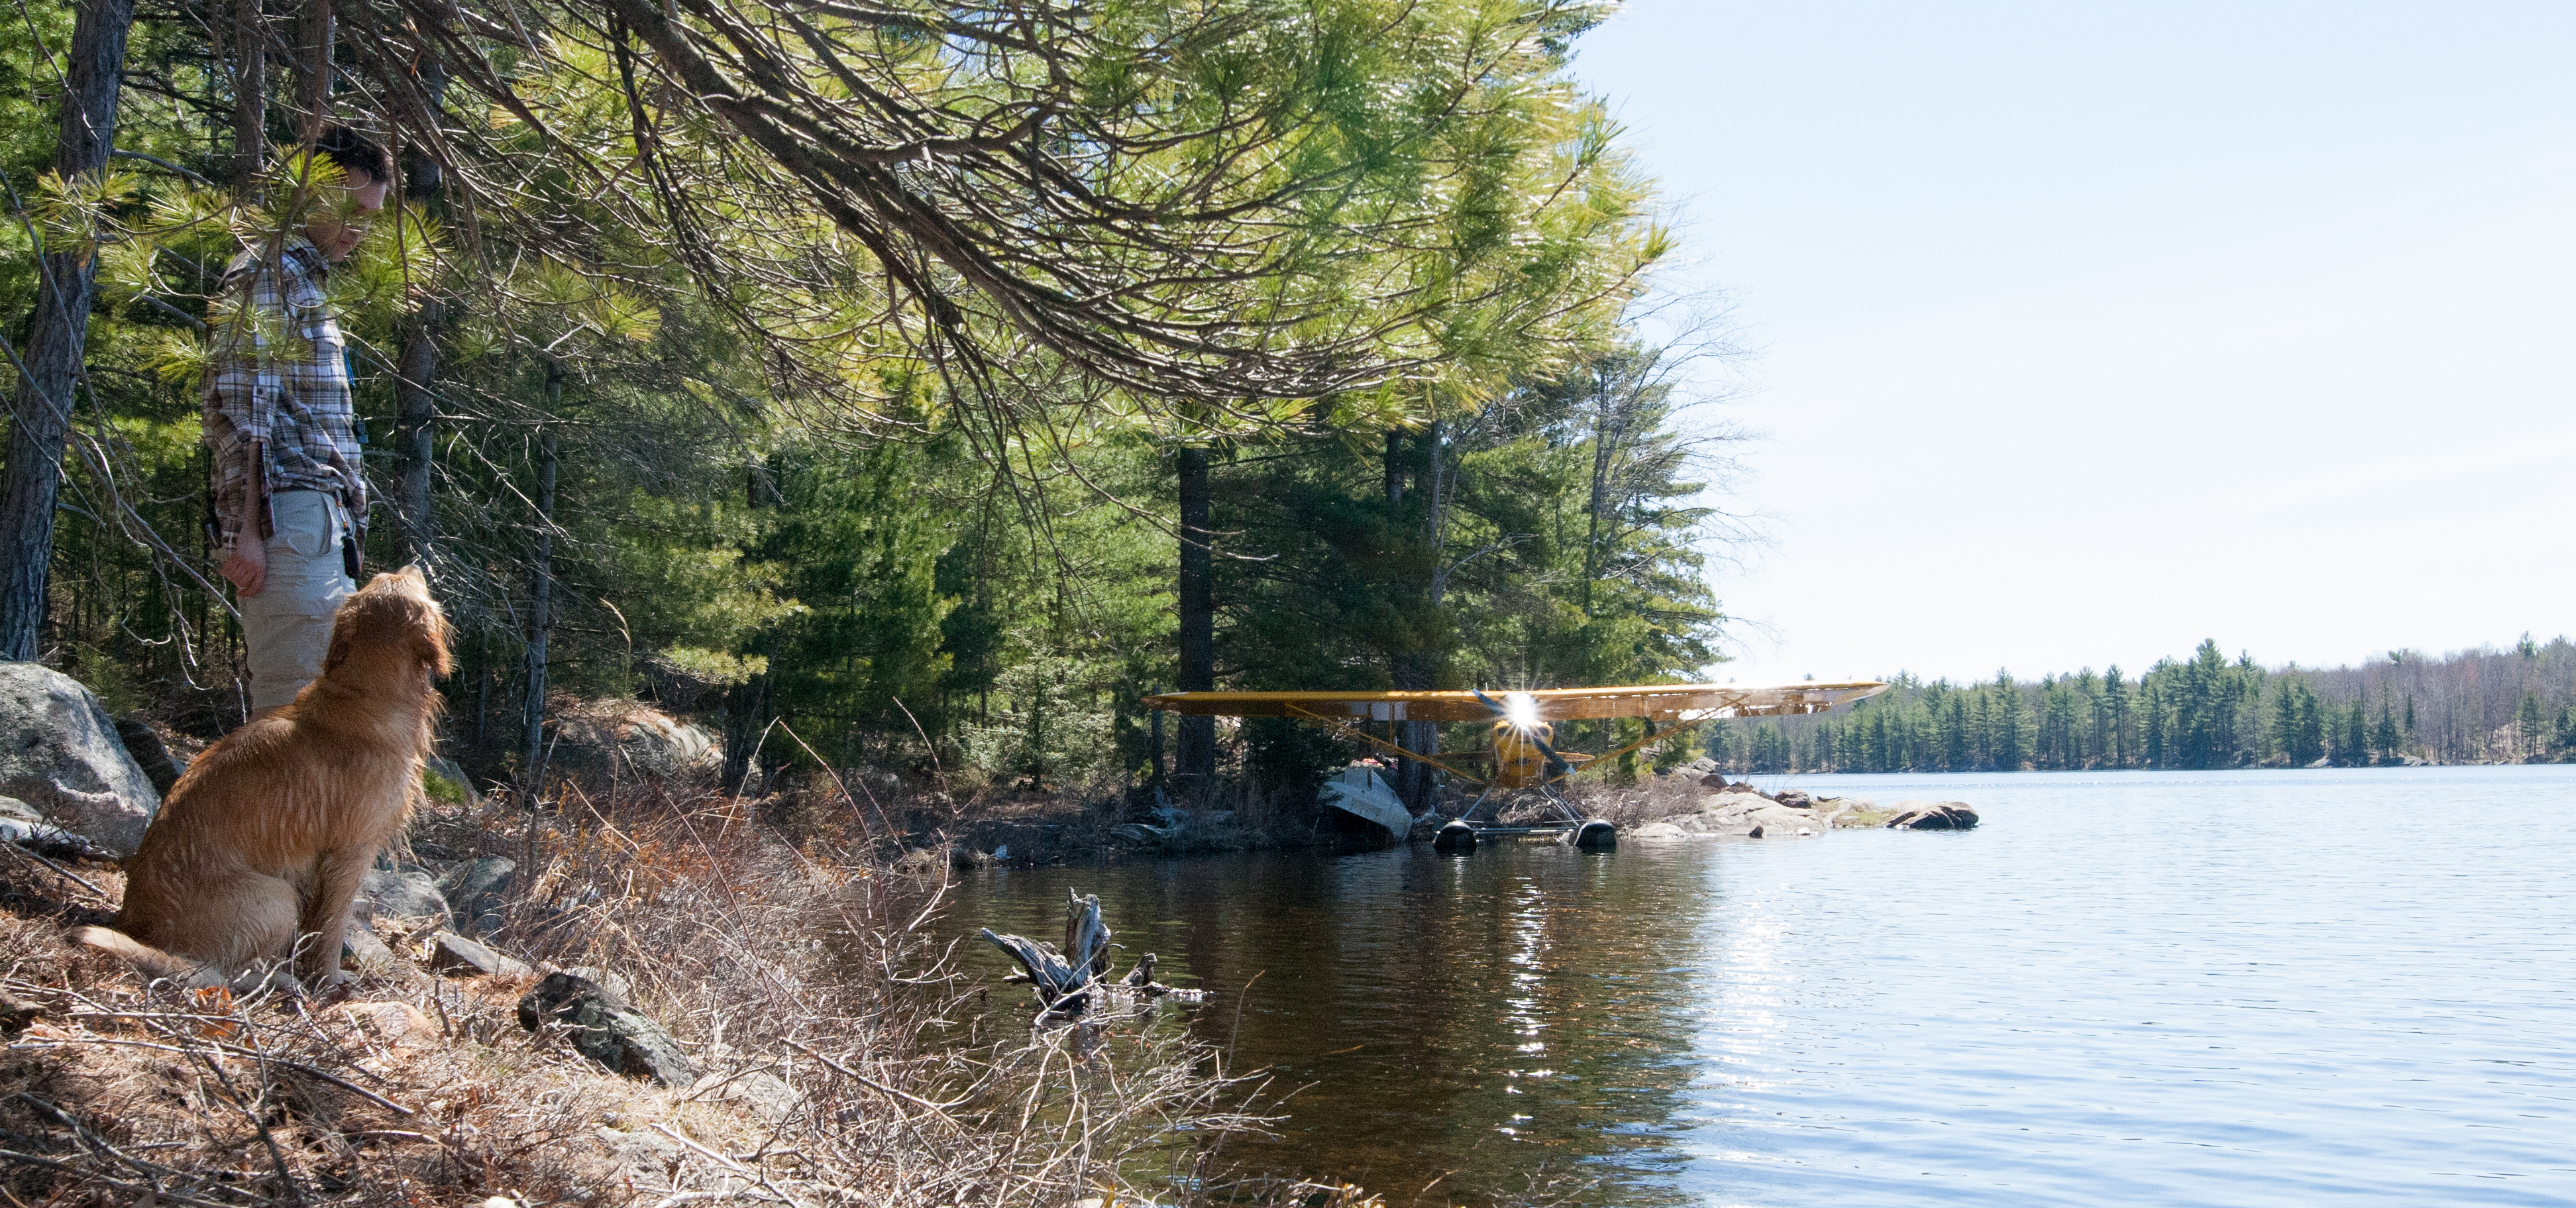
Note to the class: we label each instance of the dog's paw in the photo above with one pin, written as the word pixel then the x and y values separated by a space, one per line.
pixel 273 980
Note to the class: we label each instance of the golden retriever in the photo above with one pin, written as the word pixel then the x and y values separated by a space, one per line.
pixel 259 850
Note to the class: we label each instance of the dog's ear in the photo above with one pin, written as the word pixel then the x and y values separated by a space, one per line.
pixel 429 638
pixel 344 634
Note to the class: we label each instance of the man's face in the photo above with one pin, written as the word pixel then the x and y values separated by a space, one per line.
pixel 338 230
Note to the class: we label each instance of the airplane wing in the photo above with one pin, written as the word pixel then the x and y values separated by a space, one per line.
pixel 1661 702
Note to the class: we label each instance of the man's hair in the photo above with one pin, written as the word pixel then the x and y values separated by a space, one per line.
pixel 355 153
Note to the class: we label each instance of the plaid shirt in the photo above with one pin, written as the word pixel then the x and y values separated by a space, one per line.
pixel 276 392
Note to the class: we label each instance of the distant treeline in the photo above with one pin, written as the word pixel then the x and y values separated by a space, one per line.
pixel 2206 711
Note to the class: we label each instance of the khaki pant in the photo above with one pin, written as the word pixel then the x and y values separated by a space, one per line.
pixel 286 628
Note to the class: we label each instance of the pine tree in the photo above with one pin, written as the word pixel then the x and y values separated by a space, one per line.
pixel 2385 739
pixel 2088 707
pixel 2309 730
pixel 2151 719
pixel 2356 735
pixel 2527 722
pixel 2007 741
pixel 2285 721
pixel 2112 719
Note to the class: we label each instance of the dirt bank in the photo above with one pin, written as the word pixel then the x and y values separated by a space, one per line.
pixel 792 971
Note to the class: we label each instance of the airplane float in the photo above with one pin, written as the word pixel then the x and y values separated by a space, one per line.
pixel 1521 751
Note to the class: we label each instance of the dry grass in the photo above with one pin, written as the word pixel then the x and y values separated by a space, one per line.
pixel 845 1062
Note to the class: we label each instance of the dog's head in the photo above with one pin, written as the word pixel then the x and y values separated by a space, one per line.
pixel 392 619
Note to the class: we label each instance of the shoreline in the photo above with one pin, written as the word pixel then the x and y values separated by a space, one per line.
pixel 673 998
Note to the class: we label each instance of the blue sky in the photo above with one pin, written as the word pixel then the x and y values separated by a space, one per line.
pixel 2080 333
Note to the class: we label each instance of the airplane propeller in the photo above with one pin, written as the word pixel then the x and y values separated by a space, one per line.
pixel 1556 764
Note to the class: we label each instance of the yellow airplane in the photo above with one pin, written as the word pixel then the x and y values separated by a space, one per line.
pixel 1522 747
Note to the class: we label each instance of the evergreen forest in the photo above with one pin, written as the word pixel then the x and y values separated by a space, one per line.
pixel 900 386
pixel 2205 711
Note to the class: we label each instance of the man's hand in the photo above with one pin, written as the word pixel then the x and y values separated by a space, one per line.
pixel 247 568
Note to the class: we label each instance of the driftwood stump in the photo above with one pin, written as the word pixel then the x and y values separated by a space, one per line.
pixel 1063 981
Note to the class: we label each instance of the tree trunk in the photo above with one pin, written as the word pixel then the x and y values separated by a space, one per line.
pixel 314 28
pixel 1412 670
pixel 1394 468
pixel 746 721
pixel 416 367
pixel 1197 762
pixel 415 435
pixel 66 287
pixel 1597 508
pixel 541 589
pixel 250 92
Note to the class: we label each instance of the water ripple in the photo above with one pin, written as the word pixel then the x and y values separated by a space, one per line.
pixel 2141 988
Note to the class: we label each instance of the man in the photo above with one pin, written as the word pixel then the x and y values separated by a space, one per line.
pixel 290 501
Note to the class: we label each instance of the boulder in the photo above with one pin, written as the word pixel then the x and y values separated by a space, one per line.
pixel 606 1028
pixel 159 765
pixel 60 754
pixel 401 894
pixel 450 786
pixel 629 738
pixel 1748 814
pixel 1654 832
pixel 614 983
pixel 453 953
pixel 1933 815
pixel 476 890
pixel 1781 821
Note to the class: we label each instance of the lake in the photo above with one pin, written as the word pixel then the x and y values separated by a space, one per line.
pixel 2220 988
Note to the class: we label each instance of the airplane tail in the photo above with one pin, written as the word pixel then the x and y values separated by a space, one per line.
pixel 153 962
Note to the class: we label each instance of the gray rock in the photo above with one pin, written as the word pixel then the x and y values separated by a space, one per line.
pixel 453 773
pixel 477 890
pixel 611 982
pixel 606 1028
pixel 642 1147
pixel 59 753
pixel 453 953
pixel 1933 815
pixel 764 1094
pixel 1658 831
pixel 1781 821
pixel 401 894
pixel 362 952
pixel 162 767
pixel 22 824
pixel 629 739
pixel 16 1014
pixel 1748 814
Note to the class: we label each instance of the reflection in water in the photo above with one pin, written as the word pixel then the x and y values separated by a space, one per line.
pixel 2207 988
pixel 1484 1021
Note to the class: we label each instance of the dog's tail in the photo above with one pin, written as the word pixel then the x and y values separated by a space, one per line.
pixel 153 962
